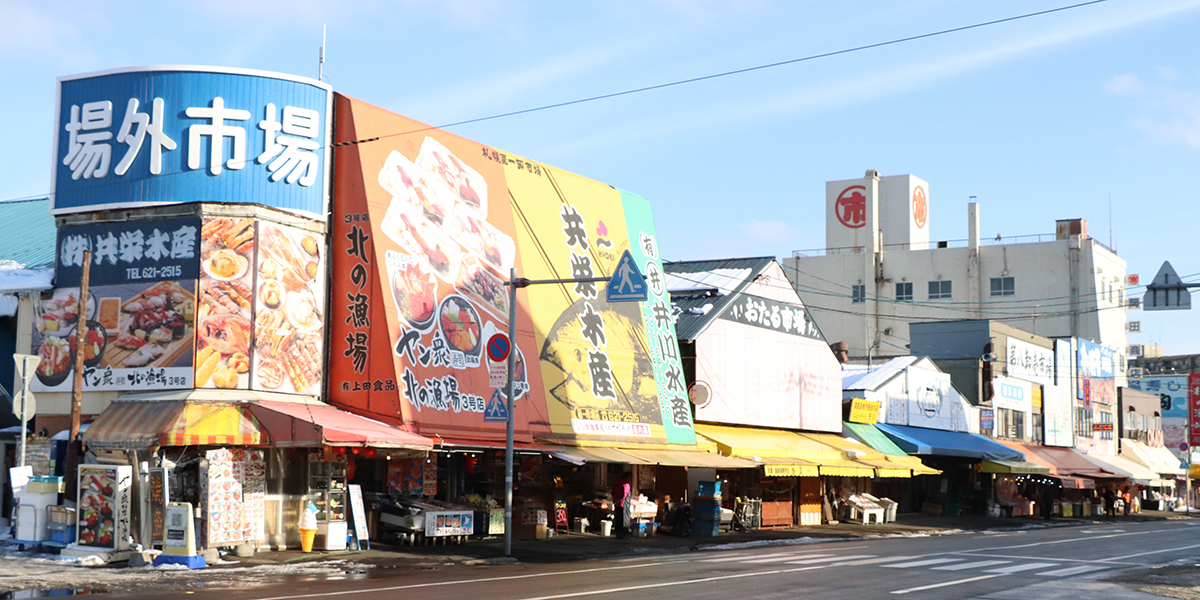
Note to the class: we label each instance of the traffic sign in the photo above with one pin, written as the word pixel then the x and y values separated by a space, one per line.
pixel 497 409
pixel 1183 446
pixel 27 365
pixel 627 283
pixel 498 347
pixel 1167 291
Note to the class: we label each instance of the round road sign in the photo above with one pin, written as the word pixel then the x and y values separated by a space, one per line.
pixel 1183 446
pixel 498 347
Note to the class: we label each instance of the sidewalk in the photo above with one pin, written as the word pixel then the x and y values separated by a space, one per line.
pixel 575 546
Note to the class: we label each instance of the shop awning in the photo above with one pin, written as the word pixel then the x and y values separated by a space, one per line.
pixel 794 454
pixel 862 454
pixel 154 423
pixel 131 425
pixel 914 463
pixel 306 425
pixel 1013 466
pixel 1158 459
pixel 871 435
pixel 1127 469
pixel 214 424
pixel 1061 461
pixel 1076 483
pixel 936 442
pixel 753 444
pixel 786 466
pixel 671 458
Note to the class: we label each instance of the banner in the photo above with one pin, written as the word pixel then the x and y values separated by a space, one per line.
pixel 1194 410
pixel 1096 372
pixel 427 228
pixel 1173 395
pixel 1029 362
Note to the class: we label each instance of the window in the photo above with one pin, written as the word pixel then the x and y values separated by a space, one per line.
pixel 1038 428
pixel 904 291
pixel 1018 428
pixel 858 294
pixel 1106 418
pixel 939 290
pixel 1004 286
pixel 1083 422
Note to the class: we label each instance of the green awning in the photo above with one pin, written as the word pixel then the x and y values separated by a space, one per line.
pixel 873 437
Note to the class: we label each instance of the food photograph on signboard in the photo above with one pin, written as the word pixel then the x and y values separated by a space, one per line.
pixel 224 314
pixel 289 301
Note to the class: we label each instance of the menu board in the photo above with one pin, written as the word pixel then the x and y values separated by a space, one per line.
pixel 289 301
pixel 159 497
pixel 221 493
pixel 103 506
pixel 250 468
pixel 413 476
pixel 358 512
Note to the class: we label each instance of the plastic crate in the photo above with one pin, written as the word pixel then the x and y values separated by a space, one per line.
pixel 705 527
pixel 709 489
pixel 707 508
pixel 60 516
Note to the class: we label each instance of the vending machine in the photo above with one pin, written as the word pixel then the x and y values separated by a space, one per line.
pixel 327 491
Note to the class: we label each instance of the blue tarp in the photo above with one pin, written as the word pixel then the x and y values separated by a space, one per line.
pixel 919 440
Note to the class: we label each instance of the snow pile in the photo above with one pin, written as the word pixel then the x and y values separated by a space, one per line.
pixel 14 277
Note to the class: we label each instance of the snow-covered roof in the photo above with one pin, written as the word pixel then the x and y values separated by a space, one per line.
pixel 857 377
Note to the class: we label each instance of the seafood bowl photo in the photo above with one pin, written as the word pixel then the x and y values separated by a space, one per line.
pixel 460 325
pixel 57 361
pixel 57 313
pixel 484 287
pixel 95 340
pixel 415 293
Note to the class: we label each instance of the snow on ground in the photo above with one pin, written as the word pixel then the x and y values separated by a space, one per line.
pixel 26 570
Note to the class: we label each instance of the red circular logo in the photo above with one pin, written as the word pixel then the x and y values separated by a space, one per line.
pixel 920 207
pixel 852 206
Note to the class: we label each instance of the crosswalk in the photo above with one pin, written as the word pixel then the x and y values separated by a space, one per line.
pixel 990 567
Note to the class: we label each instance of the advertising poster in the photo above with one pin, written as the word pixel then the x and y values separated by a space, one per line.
pixel 1096 373
pixel 139 321
pixel 932 401
pixel 1194 410
pixel 427 229
pixel 1058 413
pixel 1029 362
pixel 250 468
pixel 103 517
pixel 223 315
pixel 289 304
pixel 1172 391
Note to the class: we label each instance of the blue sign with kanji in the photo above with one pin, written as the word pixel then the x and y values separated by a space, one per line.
pixel 627 283
pixel 497 409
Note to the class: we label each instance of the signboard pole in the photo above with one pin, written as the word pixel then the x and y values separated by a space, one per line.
pixel 80 331
pixel 508 389
pixel 23 403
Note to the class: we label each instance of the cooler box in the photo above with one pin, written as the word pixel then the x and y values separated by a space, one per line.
pixel 709 489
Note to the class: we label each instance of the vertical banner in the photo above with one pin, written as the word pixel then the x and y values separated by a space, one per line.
pixel 1193 410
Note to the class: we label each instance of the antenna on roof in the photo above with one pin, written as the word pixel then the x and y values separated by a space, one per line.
pixel 321 56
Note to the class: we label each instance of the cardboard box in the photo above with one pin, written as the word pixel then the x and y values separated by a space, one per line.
pixel 530 532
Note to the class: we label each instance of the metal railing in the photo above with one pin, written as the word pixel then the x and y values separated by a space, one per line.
pixel 999 240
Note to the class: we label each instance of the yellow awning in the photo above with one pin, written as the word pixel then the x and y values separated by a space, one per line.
pixel 843 467
pixel 914 463
pixel 884 467
pixel 858 453
pixel 214 424
pixel 762 443
pixel 810 454
pixel 780 466
pixel 1013 466
pixel 671 458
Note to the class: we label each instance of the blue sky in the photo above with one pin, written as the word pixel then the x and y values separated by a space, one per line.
pixel 1041 118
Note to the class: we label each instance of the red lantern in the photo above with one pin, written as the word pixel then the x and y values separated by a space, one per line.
pixel 356 450
pixel 370 453
pixel 339 450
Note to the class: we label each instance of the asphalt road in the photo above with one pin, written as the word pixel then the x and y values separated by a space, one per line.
pixel 1069 562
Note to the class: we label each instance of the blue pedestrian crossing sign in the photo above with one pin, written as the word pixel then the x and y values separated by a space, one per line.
pixel 627 283
pixel 497 409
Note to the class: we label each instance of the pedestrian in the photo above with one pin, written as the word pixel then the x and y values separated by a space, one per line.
pixel 1110 504
pixel 1049 495
pixel 1126 499
pixel 621 509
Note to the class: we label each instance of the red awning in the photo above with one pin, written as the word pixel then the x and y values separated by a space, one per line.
pixel 1062 461
pixel 301 425
pixel 1076 483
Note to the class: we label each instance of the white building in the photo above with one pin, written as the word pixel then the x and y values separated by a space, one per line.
pixel 880 271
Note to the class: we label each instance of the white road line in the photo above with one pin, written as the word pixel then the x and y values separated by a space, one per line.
pixel 924 563
pixel 1151 552
pixel 752 561
pixel 875 561
pixel 673 583
pixel 813 561
pixel 1067 541
pixel 414 586
pixel 1020 557
pixel 945 584
pixel 754 556
pixel 1018 568
pixel 972 565
pixel 1072 571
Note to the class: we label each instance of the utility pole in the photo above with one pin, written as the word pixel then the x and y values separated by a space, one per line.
pixel 80 331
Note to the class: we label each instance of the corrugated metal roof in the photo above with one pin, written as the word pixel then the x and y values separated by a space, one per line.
pixel 872 379
pixel 692 311
pixel 29 235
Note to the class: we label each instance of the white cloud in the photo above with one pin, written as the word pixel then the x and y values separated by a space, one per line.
pixel 1167 73
pixel 1126 84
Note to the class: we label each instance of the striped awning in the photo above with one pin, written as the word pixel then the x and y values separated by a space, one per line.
pixel 131 425
pixel 214 424
pixel 150 423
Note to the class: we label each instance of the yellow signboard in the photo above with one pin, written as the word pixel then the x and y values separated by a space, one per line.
pixel 790 470
pixel 864 411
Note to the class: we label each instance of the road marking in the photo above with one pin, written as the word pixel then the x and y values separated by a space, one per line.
pixel 945 584
pixel 1066 541
pixel 1072 571
pixel 1151 552
pixel 757 556
pixel 813 561
pixel 673 583
pixel 924 563
pixel 1102 531
pixel 1020 557
pixel 414 586
pixel 789 558
pixel 972 565
pixel 1018 568
pixel 875 561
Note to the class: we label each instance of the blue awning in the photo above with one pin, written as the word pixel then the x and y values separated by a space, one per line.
pixel 919 440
